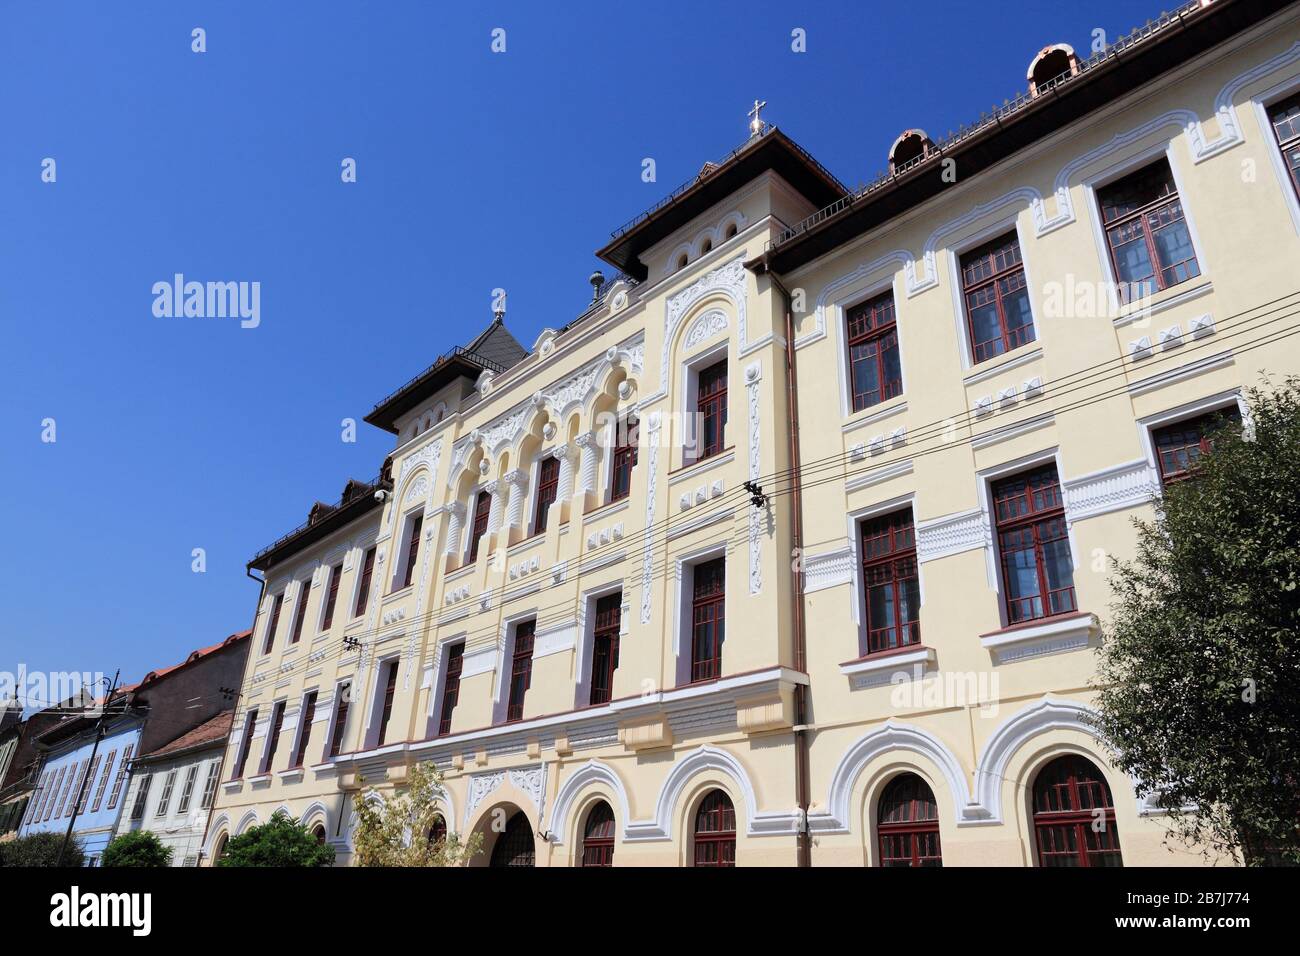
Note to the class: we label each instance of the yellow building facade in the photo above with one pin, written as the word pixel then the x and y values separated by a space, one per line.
pixel 633 622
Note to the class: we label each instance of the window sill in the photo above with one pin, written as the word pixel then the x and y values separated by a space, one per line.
pixel 1048 635
pixel 604 511
pixel 723 457
pixel 875 413
pixel 1162 300
pixel 881 667
pixel 403 591
pixel 233 786
pixel 1004 363
pixel 292 775
pixel 260 780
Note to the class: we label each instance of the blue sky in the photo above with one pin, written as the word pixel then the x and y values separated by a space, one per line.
pixel 474 170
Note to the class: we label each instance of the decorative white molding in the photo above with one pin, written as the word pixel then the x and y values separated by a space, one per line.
pixel 1039 640
pixel 876 474
pixel 481 785
pixel 709 323
pixel 898 259
pixel 652 422
pixel 753 375
pixel 1116 488
pixel 592 772
pixel 916 284
pixel 827 570
pixel 1229 125
pixel 1186 371
pixel 876 671
pixel 952 534
pixel 729 280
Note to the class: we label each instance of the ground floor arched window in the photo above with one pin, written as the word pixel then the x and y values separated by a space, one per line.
pixel 1074 816
pixel 220 850
pixel 438 830
pixel 515 846
pixel 715 831
pixel 907 823
pixel 318 831
pixel 598 836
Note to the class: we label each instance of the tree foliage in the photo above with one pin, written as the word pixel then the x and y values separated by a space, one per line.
pixel 281 841
pixel 137 848
pixel 41 849
pixel 397 832
pixel 1199 677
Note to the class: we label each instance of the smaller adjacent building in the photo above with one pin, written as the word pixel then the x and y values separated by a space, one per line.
pixel 21 761
pixel 171 789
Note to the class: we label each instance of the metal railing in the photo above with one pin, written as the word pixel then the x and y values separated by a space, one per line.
pixel 357 489
pixel 458 351
pixel 1008 108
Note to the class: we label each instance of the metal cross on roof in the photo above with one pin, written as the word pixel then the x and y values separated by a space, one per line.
pixel 756 124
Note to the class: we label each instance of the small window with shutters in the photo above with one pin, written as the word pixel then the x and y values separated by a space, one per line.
pixel 187 789
pixel 121 775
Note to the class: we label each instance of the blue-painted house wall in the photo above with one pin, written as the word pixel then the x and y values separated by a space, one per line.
pixel 93 828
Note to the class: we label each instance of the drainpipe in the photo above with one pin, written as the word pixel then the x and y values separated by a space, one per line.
pixel 801 765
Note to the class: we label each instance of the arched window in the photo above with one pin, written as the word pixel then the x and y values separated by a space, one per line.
pixel 1052 65
pixel 438 832
pixel 707 247
pixel 220 850
pixel 318 831
pixel 1074 817
pixel 715 831
pixel 910 146
pixel 598 836
pixel 515 846
pixel 907 827
pixel 681 261
pixel 731 231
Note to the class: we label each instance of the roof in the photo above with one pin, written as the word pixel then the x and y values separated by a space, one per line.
pixel 770 150
pixel 205 735
pixel 1126 65
pixel 202 652
pixel 358 499
pixel 493 349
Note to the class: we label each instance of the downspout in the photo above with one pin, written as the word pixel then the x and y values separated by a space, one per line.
pixel 801 743
pixel 221 769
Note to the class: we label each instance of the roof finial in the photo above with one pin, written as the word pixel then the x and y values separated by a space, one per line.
pixel 756 124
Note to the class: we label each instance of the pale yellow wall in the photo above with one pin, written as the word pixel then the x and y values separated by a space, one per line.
pixel 653 757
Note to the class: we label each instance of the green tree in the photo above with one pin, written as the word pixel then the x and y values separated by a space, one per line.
pixel 280 841
pixel 1199 676
pixel 41 849
pixel 399 832
pixel 138 848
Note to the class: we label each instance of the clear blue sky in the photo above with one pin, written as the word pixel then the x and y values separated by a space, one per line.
pixel 475 170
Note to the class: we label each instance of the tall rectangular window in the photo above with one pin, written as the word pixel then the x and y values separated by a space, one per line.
pixel 386 710
pixel 1150 244
pixel 332 596
pixel 604 650
pixel 245 745
pixel 54 793
pixel 74 791
pixel 521 668
pixel 412 548
pixel 1180 446
pixel 103 781
pixel 122 769
pixel 305 721
pixel 893 591
pixel 165 800
pixel 272 624
pixel 363 587
pixel 342 701
pixel 1033 545
pixel 299 612
pixel 210 786
pixel 624 460
pixel 187 789
pixel 141 797
pixel 450 687
pixel 89 784
pixel 273 736
pixel 997 300
pixel 873 352
pixel 708 624
pixel 34 804
pixel 1285 117
pixel 482 512
pixel 548 485
pixel 711 407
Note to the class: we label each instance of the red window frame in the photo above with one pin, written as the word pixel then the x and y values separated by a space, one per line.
pixel 711 407
pixel 412 548
pixel 715 831
pixel 889 562
pixel 1180 445
pixel 1030 515
pixel 604 650
pixel 245 745
pixel 521 669
pixel 273 736
pixel 482 514
pixel 548 487
pixel 989 273
pixel 1070 797
pixel 332 596
pixel 1128 207
pixel 122 768
pixel 708 618
pixel 1284 117
pixel 341 705
pixel 363 589
pixel 273 623
pixel 907 824
pixel 299 613
pixel 624 460
pixel 598 836
pixel 305 722
pixel 450 687
pixel 872 334
pixel 386 711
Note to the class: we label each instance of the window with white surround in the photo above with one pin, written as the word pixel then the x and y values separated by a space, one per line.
pixel 381 707
pixel 165 800
pixel 704 405
pixel 408 550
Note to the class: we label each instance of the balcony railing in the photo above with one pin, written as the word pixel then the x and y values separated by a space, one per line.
pixel 355 490
pixel 447 356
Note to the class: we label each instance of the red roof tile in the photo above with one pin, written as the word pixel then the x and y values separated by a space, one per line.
pixel 204 735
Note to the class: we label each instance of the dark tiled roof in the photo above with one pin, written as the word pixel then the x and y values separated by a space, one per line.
pixel 204 735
